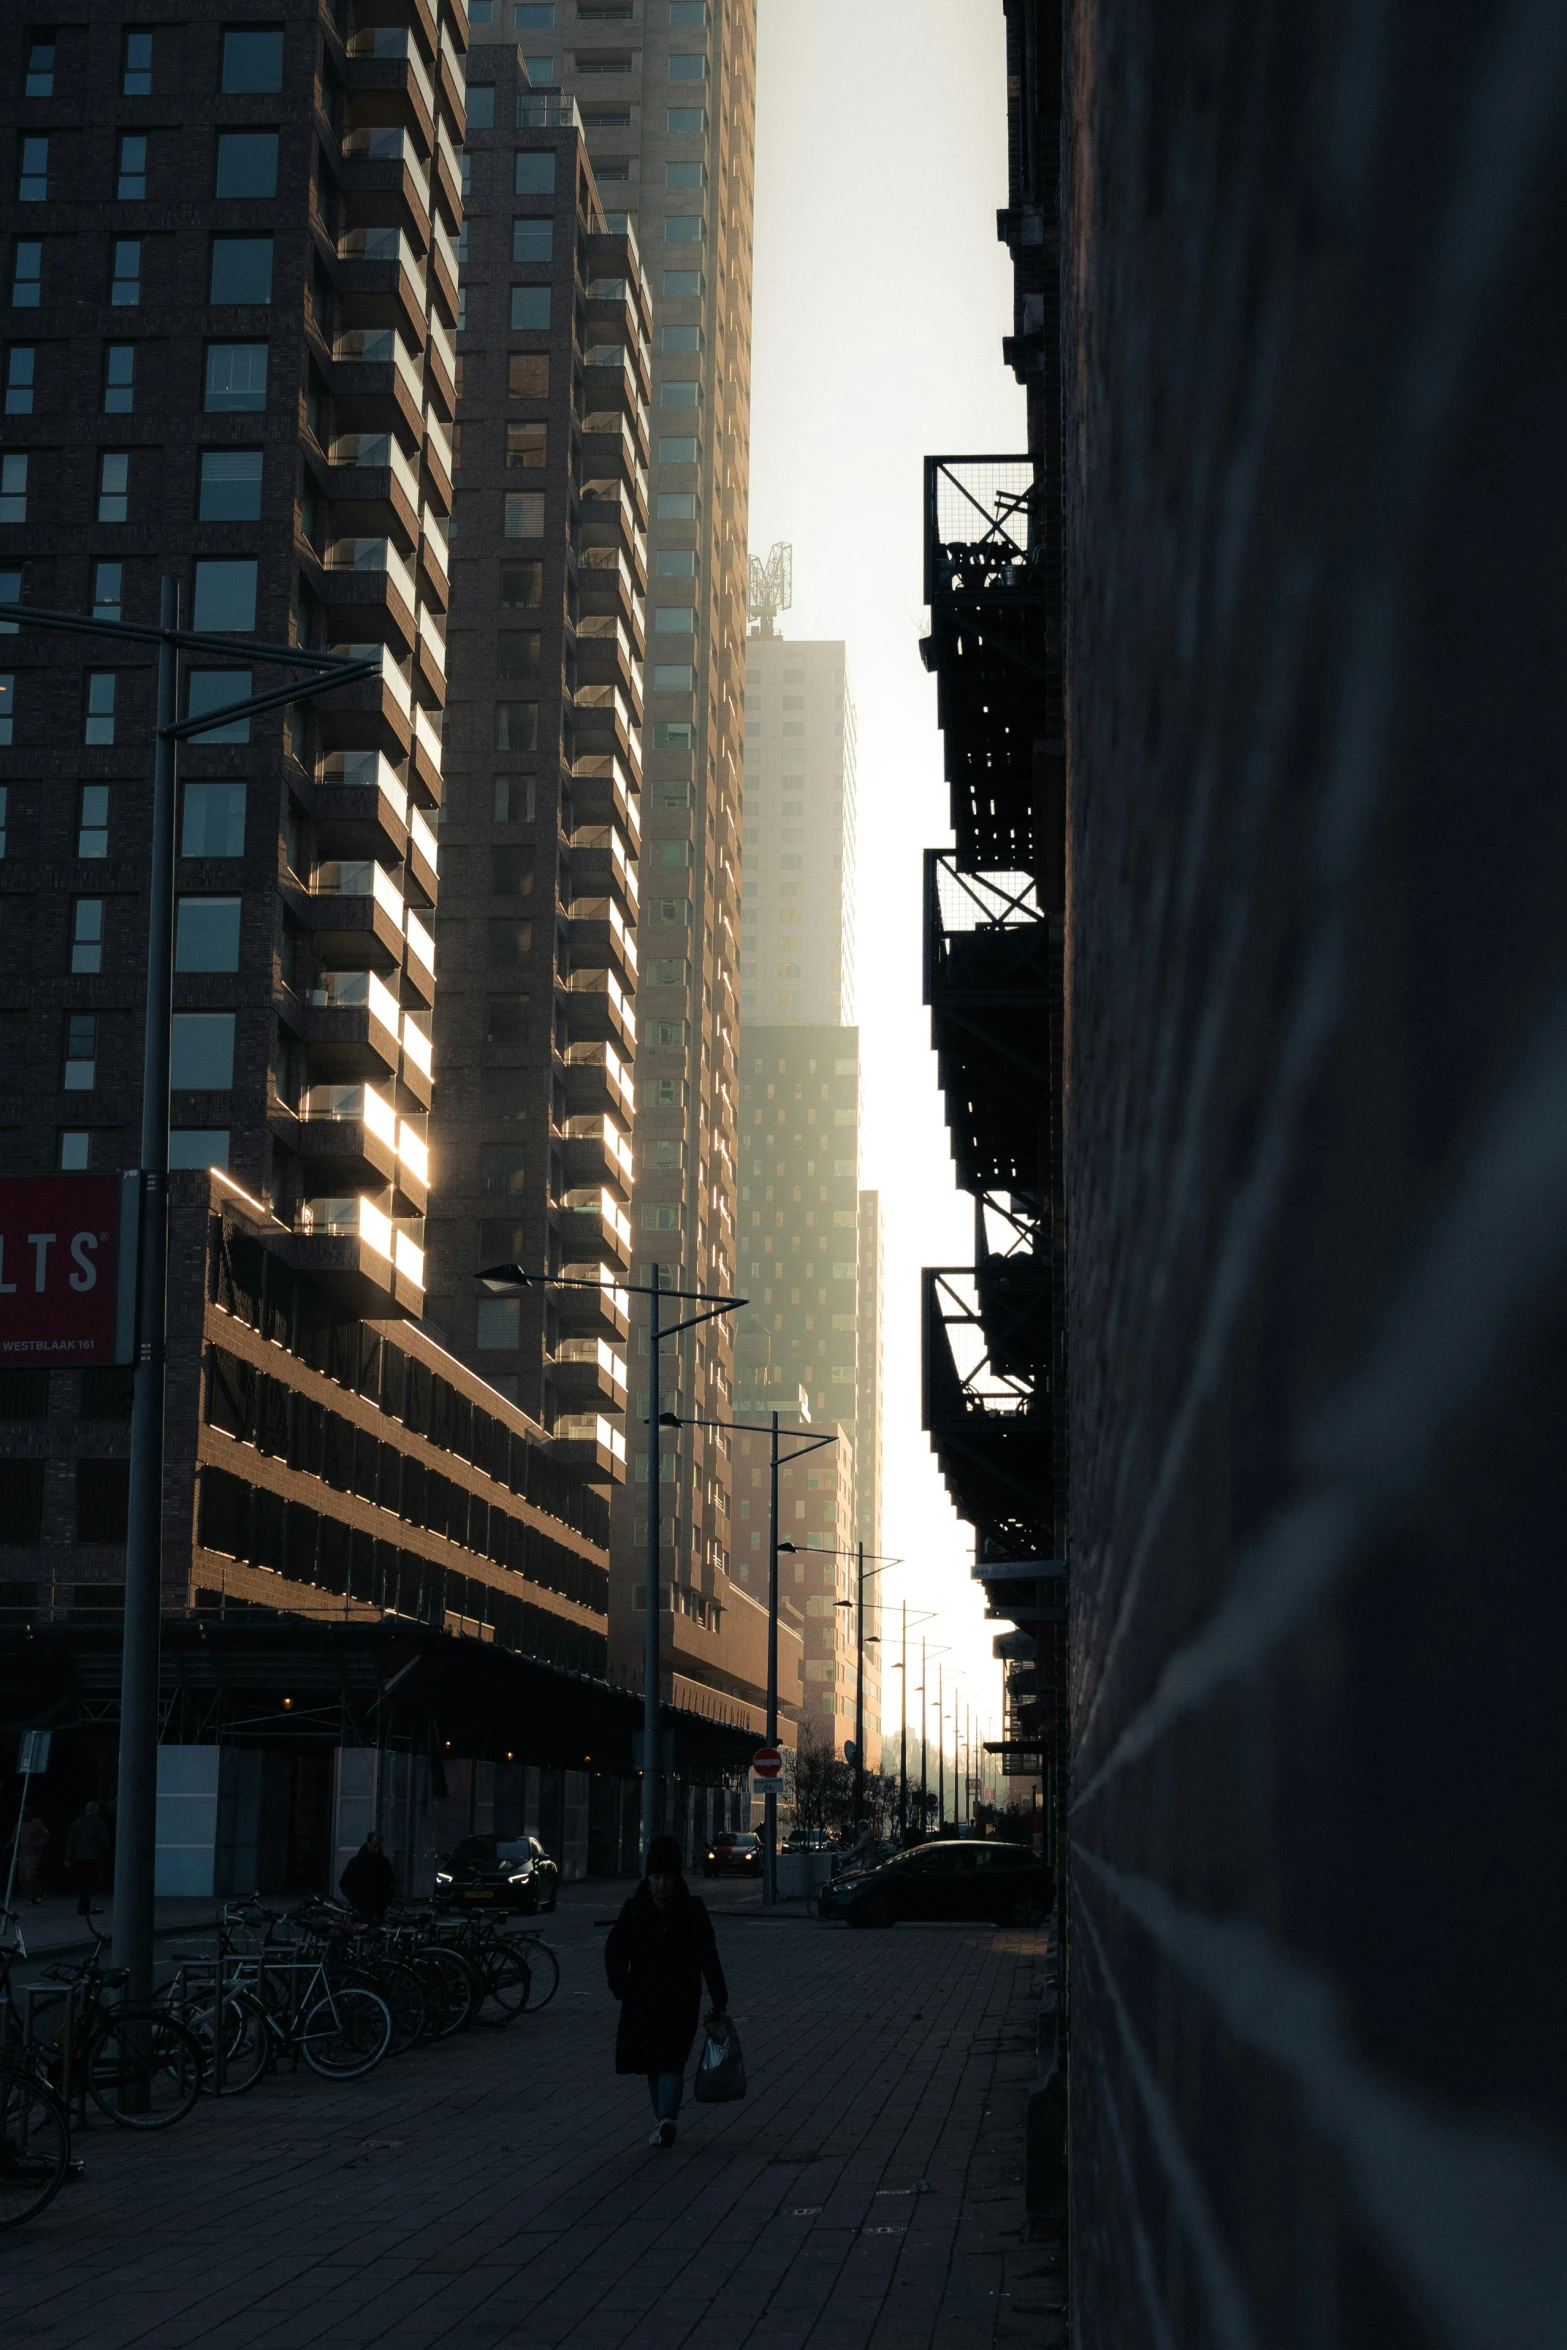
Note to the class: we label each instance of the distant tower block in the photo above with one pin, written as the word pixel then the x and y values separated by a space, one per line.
pixel 771 587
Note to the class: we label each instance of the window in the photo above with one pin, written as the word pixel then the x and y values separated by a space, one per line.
pixel 532 240
pixel 201 1051
pixel 663 1032
pixel 40 68
pixel 677 452
pixel 7 714
pixel 225 596
pixel 75 1149
pixel 119 379
pixel 688 68
pixel 241 269
pixel 125 279
pixel 27 274
pixel 499 1322
pixel 20 363
pixel 526 444
pixel 682 338
pixel 106 580
pixel 481 106
pixel 675 563
pixel 206 934
pixel 99 726
pixel 13 486
pixel 506 1019
pixel 534 173
pixel 253 61
pixel 511 873
pixel 199 1146
pixel 213 819
pixel 685 121
pixel 136 69
pixel 517 652
pixel 680 395
pixel 677 505
pixel 92 831
pixel 667 971
pixel 528 376
pixel 673 620
pixel 236 377
pixel 683 228
pixel 501 1169
pixel 505 1094
pixel 524 514
pixel 685 175
pixel 481 11
pixel 114 486
pixel 508 944
pixel 247 164
pixel 87 934
pixel 530 309
pixel 673 734
pixel 516 726
pixel 533 16
pixel 540 69
pixel 32 179
pixel 218 689
pixel 10 593
pixel 131 180
pixel 81 1052
pixel 522 585
pixel 671 677
pixel 674 852
pixel 688 11
pixel 230 485
pixel 656 1219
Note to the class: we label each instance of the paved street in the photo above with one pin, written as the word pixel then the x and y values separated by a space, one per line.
pixel 499 2189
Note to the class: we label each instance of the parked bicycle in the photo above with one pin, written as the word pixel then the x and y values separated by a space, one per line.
pixel 35 2144
pixel 141 2066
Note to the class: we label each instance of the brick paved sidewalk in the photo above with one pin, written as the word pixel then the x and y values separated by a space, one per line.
pixel 498 2189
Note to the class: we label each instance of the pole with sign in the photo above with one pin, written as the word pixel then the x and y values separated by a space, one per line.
pixel 766 1772
pixel 32 1762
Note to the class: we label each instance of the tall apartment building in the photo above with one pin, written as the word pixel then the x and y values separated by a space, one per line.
pixel 229 285
pixel 666 90
pixel 535 1034
pixel 797 932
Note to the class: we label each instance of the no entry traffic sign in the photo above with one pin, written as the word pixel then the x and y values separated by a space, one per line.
pixel 767 1765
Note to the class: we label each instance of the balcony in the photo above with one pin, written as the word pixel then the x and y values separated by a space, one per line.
pixel 598 1009
pixel 591 1446
pixel 997 1441
pixel 439 462
pixel 351 1025
pixel 356 1252
pixel 377 382
pixel 597 1081
pixel 993 981
pixel 375 713
pixel 604 788
pixel 369 472
pixel 382 280
pixel 597 932
pixel 441 373
pixel 592 1217
pixel 594 1150
pixel 431 653
pixel 347 1138
pixel 355 912
pixel 585 1371
pixel 435 563
pixel 419 967
pixel 388 79
pixel 414 1077
pixel 601 868
pixel 992 581
pixel 602 1306
pixel 368 587
pixel 360 807
pixel 424 772
pixel 383 159
pixel 424 857
pixel 608 654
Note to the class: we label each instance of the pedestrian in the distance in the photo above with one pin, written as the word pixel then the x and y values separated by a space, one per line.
pixel 86 1850
pixel 368 1884
pixel 30 1842
pixel 660 1948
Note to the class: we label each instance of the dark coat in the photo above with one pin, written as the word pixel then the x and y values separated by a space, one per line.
pixel 368 1884
pixel 655 1960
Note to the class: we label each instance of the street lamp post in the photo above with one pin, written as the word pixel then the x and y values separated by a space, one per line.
pixel 501 1278
pixel 924 1745
pixel 136 1793
pixel 941 1754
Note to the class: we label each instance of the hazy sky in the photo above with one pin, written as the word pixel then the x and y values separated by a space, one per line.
pixel 881 298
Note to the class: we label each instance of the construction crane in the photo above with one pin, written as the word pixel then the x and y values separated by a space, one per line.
pixel 770 587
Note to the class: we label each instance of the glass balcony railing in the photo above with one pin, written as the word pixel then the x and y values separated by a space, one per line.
pixel 371 556
pixel 435 544
pixel 409 1254
pixel 433 636
pixel 385 143
pixel 380 346
pixel 429 847
pixel 556 113
pixel 446 245
pixel 360 769
pixel 396 41
pixel 392 676
pixel 594 1351
pixel 348 1217
pixel 420 943
pixel 377 449
pixel 358 1103
pixel 440 440
pixel 388 244
pixel 358 877
pixel 596 627
pixel 416 1044
pixel 414 1151
pixel 359 991
pixel 428 738
pixel 444 344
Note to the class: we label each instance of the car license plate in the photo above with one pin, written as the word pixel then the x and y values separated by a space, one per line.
pixel 480 1893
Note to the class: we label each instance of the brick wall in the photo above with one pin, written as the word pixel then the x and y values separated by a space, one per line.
pixel 1316 1148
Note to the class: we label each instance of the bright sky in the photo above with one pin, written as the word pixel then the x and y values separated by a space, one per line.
pixel 881 296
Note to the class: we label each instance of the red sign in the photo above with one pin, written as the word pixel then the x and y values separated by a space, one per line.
pixel 767 1763
pixel 60 1269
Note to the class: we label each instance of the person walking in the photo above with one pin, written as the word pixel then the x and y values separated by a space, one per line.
pixel 368 1884
pixel 659 1950
pixel 86 1850
pixel 31 1839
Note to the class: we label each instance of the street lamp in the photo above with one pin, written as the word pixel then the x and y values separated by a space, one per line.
pixel 501 1278
pixel 135 1825
pixel 860 1645
pixel 805 1444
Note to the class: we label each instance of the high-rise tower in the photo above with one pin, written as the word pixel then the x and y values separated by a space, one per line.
pixel 668 102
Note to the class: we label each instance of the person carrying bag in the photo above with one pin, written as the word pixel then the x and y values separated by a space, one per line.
pixel 659 1949
pixel 720 2075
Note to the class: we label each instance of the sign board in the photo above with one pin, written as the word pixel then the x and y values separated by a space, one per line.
pixel 32 1758
pixel 67 1269
pixel 767 1766
pixel 851 1753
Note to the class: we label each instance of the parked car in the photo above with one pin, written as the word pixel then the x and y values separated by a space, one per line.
pixel 1002 1884
pixel 808 1840
pixel 507 1872
pixel 733 1855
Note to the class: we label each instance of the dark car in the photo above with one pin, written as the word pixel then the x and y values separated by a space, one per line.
pixel 498 1872
pixel 737 1855
pixel 999 1884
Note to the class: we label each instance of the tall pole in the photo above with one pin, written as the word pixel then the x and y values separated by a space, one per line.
pixel 859 1687
pixel 941 1753
pixel 924 1743
pixel 770 1792
pixel 135 1827
pixel 903 1729
pixel 652 1625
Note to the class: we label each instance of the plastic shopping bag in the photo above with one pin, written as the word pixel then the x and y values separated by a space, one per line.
pixel 720 2075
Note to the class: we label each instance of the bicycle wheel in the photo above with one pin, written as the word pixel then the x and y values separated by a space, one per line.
pixel 508 1980
pixel 437 1999
pixel 462 1990
pixel 346 2033
pixel 398 1985
pixel 144 2070
pixel 544 1968
pixel 35 2146
pixel 247 2044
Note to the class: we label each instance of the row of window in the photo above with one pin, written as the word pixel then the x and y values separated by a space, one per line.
pixel 538 16
pixel 228 484
pixel 234 378
pixel 212 814
pixel 201 1052
pixel 206 933
pixel 239 272
pixel 245 169
pixel 251 63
